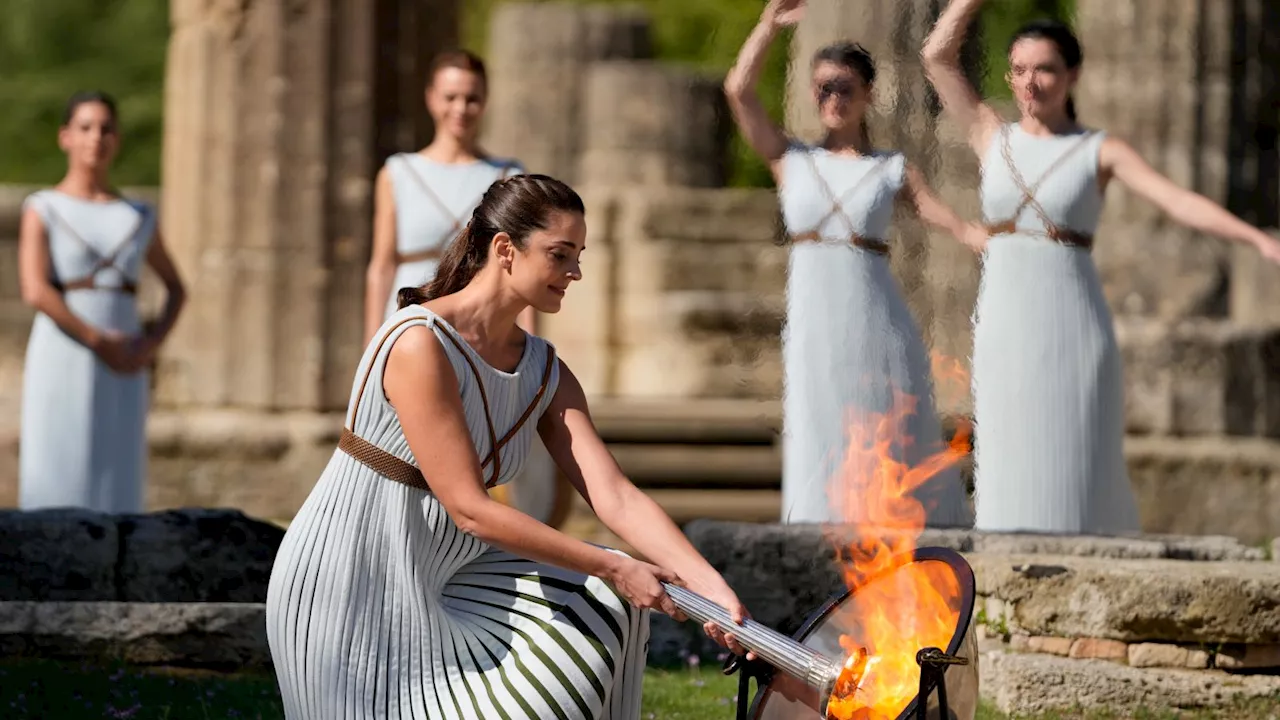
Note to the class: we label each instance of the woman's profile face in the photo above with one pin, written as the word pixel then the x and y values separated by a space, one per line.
pixel 550 261
pixel 456 101
pixel 90 139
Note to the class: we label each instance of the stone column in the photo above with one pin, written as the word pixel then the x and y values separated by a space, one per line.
pixel 1191 86
pixel 275 114
pixel 644 123
pixel 538 54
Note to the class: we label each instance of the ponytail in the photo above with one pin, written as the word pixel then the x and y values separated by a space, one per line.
pixel 1071 108
pixel 517 205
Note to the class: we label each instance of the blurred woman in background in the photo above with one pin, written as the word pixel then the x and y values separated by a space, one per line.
pixel 422 200
pixel 1047 379
pixel 86 380
pixel 851 350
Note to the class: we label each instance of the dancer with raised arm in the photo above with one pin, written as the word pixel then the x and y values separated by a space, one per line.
pixel 401 589
pixel 1047 378
pixel 86 380
pixel 850 342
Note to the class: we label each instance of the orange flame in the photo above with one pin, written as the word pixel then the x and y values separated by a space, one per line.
pixel 915 605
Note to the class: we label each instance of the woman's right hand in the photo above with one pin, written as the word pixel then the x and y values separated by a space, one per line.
pixel 641 584
pixel 784 13
pixel 119 352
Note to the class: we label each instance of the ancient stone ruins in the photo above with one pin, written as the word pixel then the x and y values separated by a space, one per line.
pixel 269 159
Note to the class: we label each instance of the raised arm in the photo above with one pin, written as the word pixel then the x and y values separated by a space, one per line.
pixel 1117 159
pixel 761 133
pixel 421 385
pixel 942 65
pixel 938 214
pixel 381 272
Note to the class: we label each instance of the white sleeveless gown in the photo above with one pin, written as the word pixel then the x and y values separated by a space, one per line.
pixel 83 437
pixel 850 342
pixel 434 202
pixel 1047 379
pixel 380 607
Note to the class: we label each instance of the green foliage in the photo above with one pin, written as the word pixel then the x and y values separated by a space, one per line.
pixel 51 48
pixel 1000 19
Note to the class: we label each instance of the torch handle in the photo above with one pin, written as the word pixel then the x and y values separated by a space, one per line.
pixel 780 651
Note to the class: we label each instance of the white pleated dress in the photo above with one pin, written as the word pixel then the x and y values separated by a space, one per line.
pixel 434 201
pixel 850 343
pixel 1047 378
pixel 84 440
pixel 380 607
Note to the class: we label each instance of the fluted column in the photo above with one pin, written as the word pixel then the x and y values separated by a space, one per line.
pixel 277 115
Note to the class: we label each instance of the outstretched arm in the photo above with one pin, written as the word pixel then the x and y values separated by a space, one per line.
pixel 941 55
pixel 1119 160
pixel 761 133
pixel 940 215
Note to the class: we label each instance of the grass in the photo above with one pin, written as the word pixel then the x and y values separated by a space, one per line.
pixel 52 690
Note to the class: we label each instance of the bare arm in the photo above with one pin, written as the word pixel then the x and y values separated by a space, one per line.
pixel 159 260
pixel 1119 160
pixel 938 214
pixel 571 438
pixel 37 291
pixel 421 385
pixel 761 133
pixel 381 272
pixel 941 55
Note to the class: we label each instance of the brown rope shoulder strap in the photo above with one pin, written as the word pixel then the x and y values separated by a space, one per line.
pixel 101 261
pixel 390 466
pixel 1052 229
pixel 877 245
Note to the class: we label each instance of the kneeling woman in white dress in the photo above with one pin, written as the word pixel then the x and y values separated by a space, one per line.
pixel 852 352
pixel 402 589
pixel 1047 380
pixel 85 387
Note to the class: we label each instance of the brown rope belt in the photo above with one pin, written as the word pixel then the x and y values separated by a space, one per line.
pixel 393 468
pixel 879 247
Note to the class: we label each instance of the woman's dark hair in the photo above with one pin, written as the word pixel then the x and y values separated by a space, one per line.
pixel 853 56
pixel 1063 38
pixel 84 97
pixel 460 59
pixel 519 206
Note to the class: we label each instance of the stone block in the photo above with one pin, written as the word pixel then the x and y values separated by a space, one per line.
pixel 52 555
pixel 1135 601
pixel 537 79
pixel 196 555
pixel 1034 684
pixel 190 635
pixel 649 124
pixel 1050 645
pixel 1255 288
pixel 1143 655
pixel 1219 486
pixel 1201 377
pixel 1248 657
pixel 1099 649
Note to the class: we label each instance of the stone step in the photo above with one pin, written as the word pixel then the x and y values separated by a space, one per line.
pixel 173 634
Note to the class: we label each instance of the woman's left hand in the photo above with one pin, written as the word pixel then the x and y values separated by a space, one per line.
pixel 1271 250
pixel 726 598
